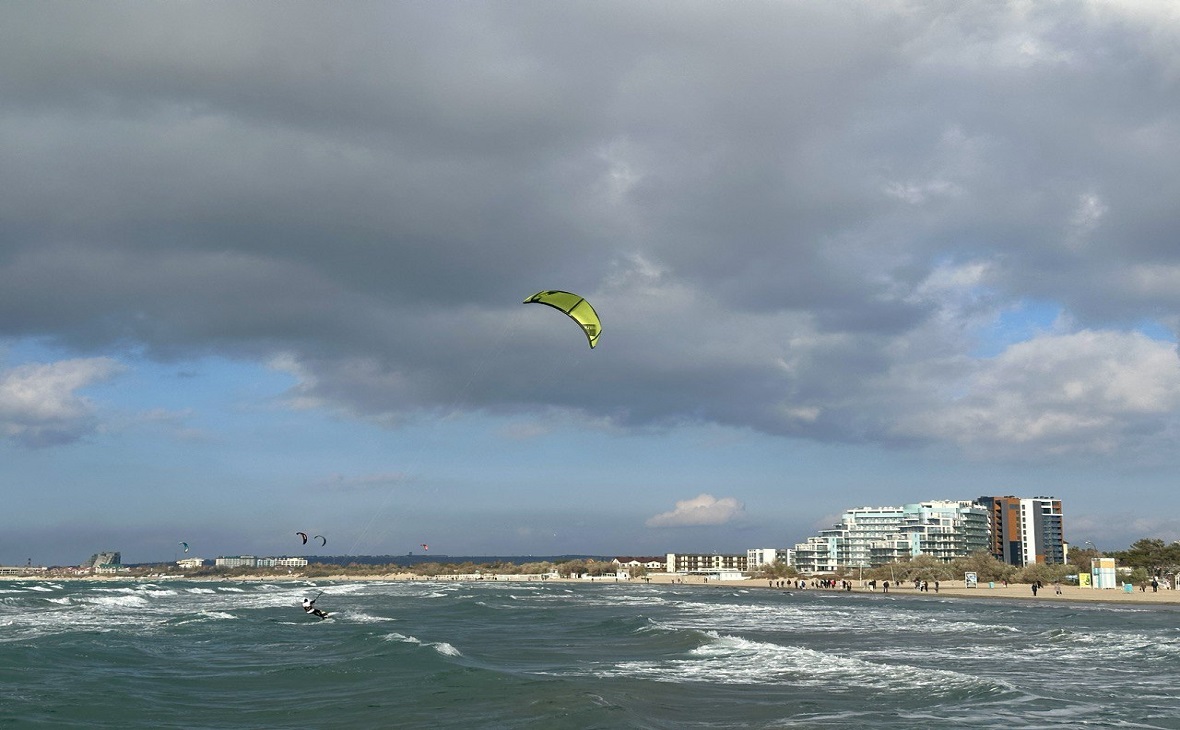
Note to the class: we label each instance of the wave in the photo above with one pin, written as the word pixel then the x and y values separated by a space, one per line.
pixel 734 660
pixel 126 601
pixel 204 616
pixel 446 649
pixel 364 618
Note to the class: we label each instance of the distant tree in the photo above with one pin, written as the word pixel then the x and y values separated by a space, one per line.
pixel 1138 576
pixel 1045 573
pixel 776 570
pixel 1082 558
pixel 1152 554
pixel 599 567
pixel 985 566
pixel 923 567
pixel 571 567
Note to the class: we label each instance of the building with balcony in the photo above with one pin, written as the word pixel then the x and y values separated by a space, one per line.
pixel 698 563
pixel 1025 531
pixel 869 536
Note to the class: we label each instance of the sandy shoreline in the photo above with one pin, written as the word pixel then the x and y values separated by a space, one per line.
pixel 947 589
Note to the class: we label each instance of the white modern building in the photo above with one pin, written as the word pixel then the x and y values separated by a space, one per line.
pixel 870 536
pixel 757 557
pixel 250 561
pixel 702 563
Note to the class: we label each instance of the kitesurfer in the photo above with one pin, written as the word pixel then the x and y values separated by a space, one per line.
pixel 309 607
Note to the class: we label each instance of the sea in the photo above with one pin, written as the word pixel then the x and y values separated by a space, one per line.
pixel 601 654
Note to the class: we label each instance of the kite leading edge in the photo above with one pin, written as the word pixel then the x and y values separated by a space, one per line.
pixel 575 307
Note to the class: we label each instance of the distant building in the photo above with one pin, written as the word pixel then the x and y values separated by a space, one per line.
pixel 869 536
pixel 111 557
pixel 236 561
pixel 1025 531
pixel 250 561
pixel 689 563
pixel 281 563
pixel 190 563
pixel 21 569
pixel 757 557
pixel 648 563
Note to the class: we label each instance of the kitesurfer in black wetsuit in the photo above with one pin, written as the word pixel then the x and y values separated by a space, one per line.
pixel 309 607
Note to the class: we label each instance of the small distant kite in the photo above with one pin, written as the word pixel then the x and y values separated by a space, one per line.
pixel 303 535
pixel 323 540
pixel 425 546
pixel 184 545
pixel 575 307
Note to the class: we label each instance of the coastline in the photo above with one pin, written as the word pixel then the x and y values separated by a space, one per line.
pixel 947 589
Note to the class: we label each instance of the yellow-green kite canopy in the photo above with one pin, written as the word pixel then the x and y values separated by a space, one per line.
pixel 573 305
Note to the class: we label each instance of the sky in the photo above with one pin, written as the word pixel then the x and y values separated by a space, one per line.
pixel 262 268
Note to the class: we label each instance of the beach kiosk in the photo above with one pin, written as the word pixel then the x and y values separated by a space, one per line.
pixel 1104 574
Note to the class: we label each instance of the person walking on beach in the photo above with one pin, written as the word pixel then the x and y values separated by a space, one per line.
pixel 1034 588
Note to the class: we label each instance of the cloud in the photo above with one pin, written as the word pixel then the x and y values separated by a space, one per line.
pixel 700 511
pixel 1091 391
pixel 808 243
pixel 40 404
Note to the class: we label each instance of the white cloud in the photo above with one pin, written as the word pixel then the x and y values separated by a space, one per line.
pixel 698 511
pixel 1080 392
pixel 40 404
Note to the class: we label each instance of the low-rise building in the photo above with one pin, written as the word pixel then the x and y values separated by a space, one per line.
pixel 693 563
pixel 758 557
pixel 250 561
pixel 236 561
pixel 22 569
pixel 648 563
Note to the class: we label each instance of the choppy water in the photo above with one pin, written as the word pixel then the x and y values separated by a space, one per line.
pixel 560 655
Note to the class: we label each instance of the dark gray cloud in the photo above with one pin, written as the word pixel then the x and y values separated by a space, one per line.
pixel 795 218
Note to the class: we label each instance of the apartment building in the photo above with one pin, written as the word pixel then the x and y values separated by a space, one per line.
pixel 1025 531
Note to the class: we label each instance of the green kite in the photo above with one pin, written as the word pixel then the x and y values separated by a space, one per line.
pixel 575 306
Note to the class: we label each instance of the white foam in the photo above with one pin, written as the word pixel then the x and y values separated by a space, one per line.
pixel 446 649
pixel 727 659
pixel 218 615
pixel 116 601
pixel 364 618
